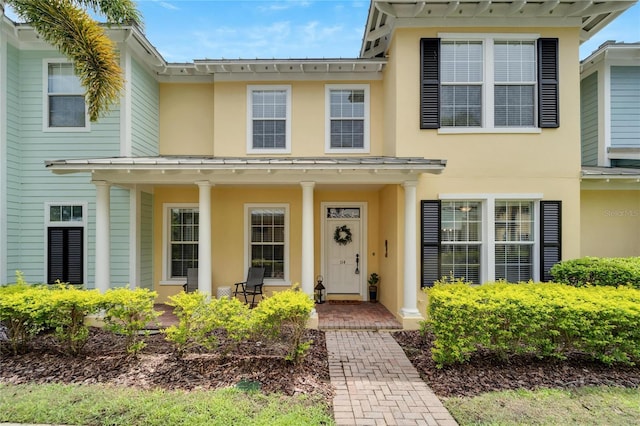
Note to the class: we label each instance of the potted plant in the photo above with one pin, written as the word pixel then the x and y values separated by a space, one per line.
pixel 373 281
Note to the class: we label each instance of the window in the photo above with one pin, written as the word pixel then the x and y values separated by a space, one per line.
pixel 514 240
pixel 65 100
pixel 347 110
pixel 490 239
pixel 183 240
pixel 268 239
pixel 461 226
pixel 493 82
pixel 65 225
pixel 269 119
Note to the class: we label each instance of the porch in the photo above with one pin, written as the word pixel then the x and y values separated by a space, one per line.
pixel 339 315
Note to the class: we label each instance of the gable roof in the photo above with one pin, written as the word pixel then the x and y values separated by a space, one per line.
pixel 385 16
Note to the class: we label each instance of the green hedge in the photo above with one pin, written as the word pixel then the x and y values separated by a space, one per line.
pixel 546 320
pixel 598 271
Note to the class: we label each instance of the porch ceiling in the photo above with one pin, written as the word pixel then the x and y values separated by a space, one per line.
pixel 176 170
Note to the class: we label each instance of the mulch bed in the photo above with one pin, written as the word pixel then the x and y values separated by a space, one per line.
pixel 485 373
pixel 103 360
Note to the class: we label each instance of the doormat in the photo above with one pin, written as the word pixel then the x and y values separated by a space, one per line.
pixel 344 302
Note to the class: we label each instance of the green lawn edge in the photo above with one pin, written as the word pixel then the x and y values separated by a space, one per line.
pixel 99 405
pixel 599 405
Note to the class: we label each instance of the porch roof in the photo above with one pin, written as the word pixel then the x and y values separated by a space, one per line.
pixel 250 170
pixel 605 173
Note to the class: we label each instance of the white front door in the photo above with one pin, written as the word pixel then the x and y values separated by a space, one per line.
pixel 343 251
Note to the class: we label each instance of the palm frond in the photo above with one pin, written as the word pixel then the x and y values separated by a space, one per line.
pixel 69 28
pixel 116 11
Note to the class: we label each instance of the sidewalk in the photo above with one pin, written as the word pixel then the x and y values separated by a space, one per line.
pixel 376 383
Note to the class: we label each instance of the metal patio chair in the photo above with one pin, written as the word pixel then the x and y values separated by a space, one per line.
pixel 192 280
pixel 252 286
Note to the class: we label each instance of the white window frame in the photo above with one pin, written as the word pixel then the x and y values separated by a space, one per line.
pixel 166 242
pixel 250 148
pixel 488 83
pixel 488 253
pixel 327 102
pixel 72 224
pixel 45 101
pixel 248 207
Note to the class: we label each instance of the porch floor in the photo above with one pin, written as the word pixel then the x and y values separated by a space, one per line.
pixel 355 316
pixel 331 316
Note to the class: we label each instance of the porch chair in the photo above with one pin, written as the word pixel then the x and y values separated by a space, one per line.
pixel 252 286
pixel 192 280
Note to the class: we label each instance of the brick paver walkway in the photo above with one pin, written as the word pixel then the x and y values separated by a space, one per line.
pixel 376 384
pixel 359 316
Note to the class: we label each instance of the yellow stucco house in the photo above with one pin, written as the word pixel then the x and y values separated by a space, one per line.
pixel 450 146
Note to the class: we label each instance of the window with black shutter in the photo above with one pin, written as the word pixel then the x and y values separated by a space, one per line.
pixel 65 252
pixel 548 88
pixel 550 236
pixel 430 83
pixel 456 81
pixel 430 242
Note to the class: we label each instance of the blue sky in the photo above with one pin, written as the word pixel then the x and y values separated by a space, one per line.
pixel 184 30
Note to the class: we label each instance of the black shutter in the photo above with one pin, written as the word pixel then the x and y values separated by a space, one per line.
pixel 548 89
pixel 430 242
pixel 430 83
pixel 550 237
pixel 65 255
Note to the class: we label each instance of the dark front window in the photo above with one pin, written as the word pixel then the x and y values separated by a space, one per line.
pixel 267 244
pixel 184 240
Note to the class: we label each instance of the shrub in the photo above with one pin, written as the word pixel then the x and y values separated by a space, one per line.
pixel 193 328
pixel 284 317
pixel 23 311
pixel 69 307
pixel 199 320
pixel 598 271
pixel 127 312
pixel 546 320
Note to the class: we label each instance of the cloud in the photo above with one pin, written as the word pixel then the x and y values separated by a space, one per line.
pixel 168 5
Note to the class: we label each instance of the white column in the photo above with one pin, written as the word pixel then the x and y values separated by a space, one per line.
pixel 308 277
pixel 409 303
pixel 204 238
pixel 103 238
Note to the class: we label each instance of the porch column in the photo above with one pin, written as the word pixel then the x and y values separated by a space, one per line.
pixel 307 238
pixel 204 238
pixel 409 303
pixel 103 240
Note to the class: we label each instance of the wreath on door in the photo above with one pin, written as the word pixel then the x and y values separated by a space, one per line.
pixel 342 235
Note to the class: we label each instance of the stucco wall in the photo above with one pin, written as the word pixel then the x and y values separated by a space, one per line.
pixel 610 224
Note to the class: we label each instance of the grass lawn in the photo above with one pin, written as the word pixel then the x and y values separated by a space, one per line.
pixel 580 406
pixel 93 405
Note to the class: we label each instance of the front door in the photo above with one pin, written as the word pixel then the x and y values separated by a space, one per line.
pixel 343 253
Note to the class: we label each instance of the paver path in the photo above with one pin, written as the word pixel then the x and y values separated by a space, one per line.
pixel 376 384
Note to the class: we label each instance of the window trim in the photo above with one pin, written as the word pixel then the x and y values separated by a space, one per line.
pixel 547 95
pixel 488 83
pixel 286 281
pixel 166 241
pixel 488 204
pixel 79 224
pixel 327 111
pixel 274 87
pixel 45 101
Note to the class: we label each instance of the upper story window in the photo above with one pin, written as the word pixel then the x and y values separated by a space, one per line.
pixel 65 107
pixel 269 119
pixel 347 118
pixel 489 82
